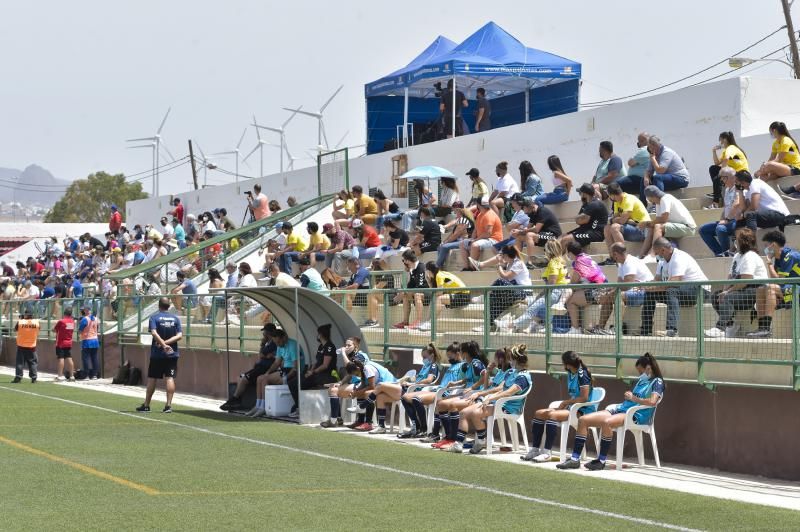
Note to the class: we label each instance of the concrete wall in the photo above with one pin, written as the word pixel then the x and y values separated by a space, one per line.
pixel 688 120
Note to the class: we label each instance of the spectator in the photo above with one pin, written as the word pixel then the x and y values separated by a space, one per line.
pixel 177 210
pixel 429 236
pixel 207 223
pixel 450 195
pixel 542 227
pixel 186 287
pixel 610 168
pixel 225 221
pixel 318 243
pixel 488 232
pixel 212 302
pixel 555 274
pixel 480 191
pixel 592 218
pixel 387 209
pixel 511 272
pixel 310 277
pixel 374 299
pixel 283 369
pixel 425 198
pixel 90 344
pixel 630 269
pixel 295 245
pixel 584 271
pixel 672 220
pixel 416 279
pixel 258 203
pixel 530 182
pixel 343 208
pixel 8 271
pixel 246 278
pixel 167 332
pixel 180 233
pixel 783 262
pixel 65 330
pixel 483 111
pixel 359 280
pixel 628 219
pixel 732 157
pixel 291 201
pixel 456 296
pixel 562 183
pixel 505 187
pixel 637 166
pixel 784 160
pixel 233 278
pixel 762 207
pixel 115 221
pixel 446 110
pixel 666 169
pixel 395 241
pixel 367 241
pixel 462 227
pixel 168 230
pixel 266 356
pixel 717 234
pixel 27 329
pixel 274 206
pixel 746 264
pixel 275 276
pixel 519 220
pixel 676 266
pixel 341 241
pixel 365 207
pixel 191 229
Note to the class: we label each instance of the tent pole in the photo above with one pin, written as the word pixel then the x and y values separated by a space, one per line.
pixel 528 101
pixel 454 107
pixel 405 117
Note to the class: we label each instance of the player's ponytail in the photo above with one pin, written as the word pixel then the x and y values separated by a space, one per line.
pixel 649 360
pixel 520 356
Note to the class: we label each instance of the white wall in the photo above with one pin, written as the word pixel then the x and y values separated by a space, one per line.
pixel 688 120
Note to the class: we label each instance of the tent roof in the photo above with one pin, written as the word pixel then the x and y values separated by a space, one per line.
pixel 491 57
pixel 440 47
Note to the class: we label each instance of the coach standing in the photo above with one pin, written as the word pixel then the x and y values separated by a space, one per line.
pixel 166 331
pixel 27 334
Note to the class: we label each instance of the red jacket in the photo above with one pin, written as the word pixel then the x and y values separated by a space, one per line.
pixel 115 222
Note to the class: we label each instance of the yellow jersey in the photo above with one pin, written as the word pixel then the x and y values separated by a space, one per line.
pixel 736 158
pixel 319 239
pixel 448 280
pixel 297 240
pixel 787 146
pixel 633 205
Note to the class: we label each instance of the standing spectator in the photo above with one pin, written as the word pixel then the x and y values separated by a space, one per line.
pixel 610 168
pixel 763 207
pixel 592 218
pixel 717 235
pixel 732 157
pixel 627 220
pixel 365 207
pixel 562 183
pixel 65 330
pixel 416 279
pixel 666 169
pixel 166 331
pixel 505 187
pixel 446 110
pixel 783 262
pixel 480 191
pixel 177 210
pixel 180 233
pixel 637 166
pixel 785 157
pixel 488 232
pixel 87 329
pixel 673 220
pixel 483 111
pixel 530 182
pixel 115 221
pixel 258 204
pixel 27 335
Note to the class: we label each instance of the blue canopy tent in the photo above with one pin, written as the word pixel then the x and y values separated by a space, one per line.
pixel 511 73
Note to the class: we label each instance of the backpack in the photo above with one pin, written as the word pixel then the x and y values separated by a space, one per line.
pixel 80 374
pixel 123 374
pixel 135 378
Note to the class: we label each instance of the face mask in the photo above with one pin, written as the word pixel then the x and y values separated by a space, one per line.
pixel 452 360
pixel 768 251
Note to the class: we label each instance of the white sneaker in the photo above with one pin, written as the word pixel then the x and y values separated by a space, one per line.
pixel 378 430
pixel 259 412
pixel 732 331
pixel 356 410
pixel 714 333
pixel 424 326
pixel 474 263
pixel 542 457
pixel 457 447
pixel 58 378
pixel 252 411
pixel 477 446
pixel 575 330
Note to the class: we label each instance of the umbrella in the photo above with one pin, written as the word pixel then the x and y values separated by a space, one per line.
pixel 427 172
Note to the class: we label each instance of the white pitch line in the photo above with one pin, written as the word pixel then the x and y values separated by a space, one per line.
pixel 451 482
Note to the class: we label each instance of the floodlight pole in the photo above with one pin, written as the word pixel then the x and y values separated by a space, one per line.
pixel 787 13
pixel 194 168
pixel 527 101
pixel 453 128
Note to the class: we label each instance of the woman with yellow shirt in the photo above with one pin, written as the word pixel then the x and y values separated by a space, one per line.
pixel 732 156
pixel 554 274
pixel 458 297
pixel 784 159
pixel 480 190
pixel 344 206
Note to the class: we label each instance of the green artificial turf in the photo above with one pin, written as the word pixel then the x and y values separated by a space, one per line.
pixel 103 470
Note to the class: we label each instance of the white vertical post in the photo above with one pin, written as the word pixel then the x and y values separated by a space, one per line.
pixel 454 107
pixel 405 117
pixel 527 101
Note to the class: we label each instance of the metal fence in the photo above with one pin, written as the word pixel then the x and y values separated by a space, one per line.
pixel 333 172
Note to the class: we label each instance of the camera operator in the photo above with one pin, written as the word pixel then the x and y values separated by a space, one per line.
pixel 258 205
pixel 446 108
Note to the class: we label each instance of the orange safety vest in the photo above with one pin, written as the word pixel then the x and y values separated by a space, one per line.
pixel 90 331
pixel 262 211
pixel 27 333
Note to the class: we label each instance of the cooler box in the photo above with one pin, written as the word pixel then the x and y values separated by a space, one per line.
pixel 277 400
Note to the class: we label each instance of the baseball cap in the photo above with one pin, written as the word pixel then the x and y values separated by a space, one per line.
pixel 473 172
pixel 327 227
pixel 356 223
pixel 113 207
pixel 279 226
pixel 485 204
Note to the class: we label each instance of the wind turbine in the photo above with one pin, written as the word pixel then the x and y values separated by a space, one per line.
pixel 319 115
pixel 206 162
pixel 152 146
pixel 261 143
pixel 280 130
pixel 156 140
pixel 235 152
pixel 291 159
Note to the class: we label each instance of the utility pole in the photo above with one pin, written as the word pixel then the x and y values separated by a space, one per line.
pixel 194 169
pixel 787 13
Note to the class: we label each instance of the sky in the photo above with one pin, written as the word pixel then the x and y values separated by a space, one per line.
pixel 78 78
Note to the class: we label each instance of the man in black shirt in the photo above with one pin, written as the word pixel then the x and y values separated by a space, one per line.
pixel 542 226
pixel 483 113
pixel 265 360
pixel 591 219
pixel 429 236
pixel 446 108
pixel 416 279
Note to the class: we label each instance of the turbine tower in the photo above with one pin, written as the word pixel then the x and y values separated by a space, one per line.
pixel 321 136
pixel 159 143
pixel 281 131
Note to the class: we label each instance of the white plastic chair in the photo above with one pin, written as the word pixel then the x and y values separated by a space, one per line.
pixel 503 419
pixel 394 406
pixel 455 391
pixel 637 431
pixel 352 402
pixel 598 394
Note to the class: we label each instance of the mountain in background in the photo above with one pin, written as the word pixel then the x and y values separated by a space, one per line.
pixel 32 185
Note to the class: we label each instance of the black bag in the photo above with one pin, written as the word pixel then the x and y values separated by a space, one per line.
pixel 123 374
pixel 80 374
pixel 135 378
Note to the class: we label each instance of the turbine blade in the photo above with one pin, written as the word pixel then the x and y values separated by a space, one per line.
pixel 140 139
pixel 342 139
pixel 241 138
pixel 322 109
pixel 151 146
pixel 292 116
pixel 258 133
pixel 251 152
pixel 199 149
pixel 276 130
pixel 164 147
pixel 307 113
pixel 163 121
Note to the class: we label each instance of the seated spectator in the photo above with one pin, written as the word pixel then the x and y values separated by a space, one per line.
pixel 343 208
pixel 450 195
pixel 504 188
pixel 387 209
pixel 429 236
pixel 295 246
pixel 425 198
pixel 225 221
pixel 462 227
pixel 784 160
pixel 512 272
pixel 648 391
pixel 783 262
pixel 374 299
pixel 291 201
pixel 637 166
pixel 630 269
pixel 395 240
pixel 543 226
pixel 562 183
pixel 762 207
pixel 530 182
pixel 519 220
pixel 266 357
pixel 732 157
pixel 341 240
pixel 368 242
pixel 609 169
pixel 717 234
pixel 167 229
pixel 480 191
pixel 673 220
pixel 627 213
pixel 532 319
pixel 592 218
pixel 318 243
pixel 584 271
pixel 233 276
pixel 192 232
pixel 365 207
pixel 323 370
pixel 274 206
pixel 416 279
pixel 488 232
pixel 679 267
pixel 359 281
pixel 746 264
pixel 456 297
pixel 666 170
pixel 187 288
pixel 310 278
